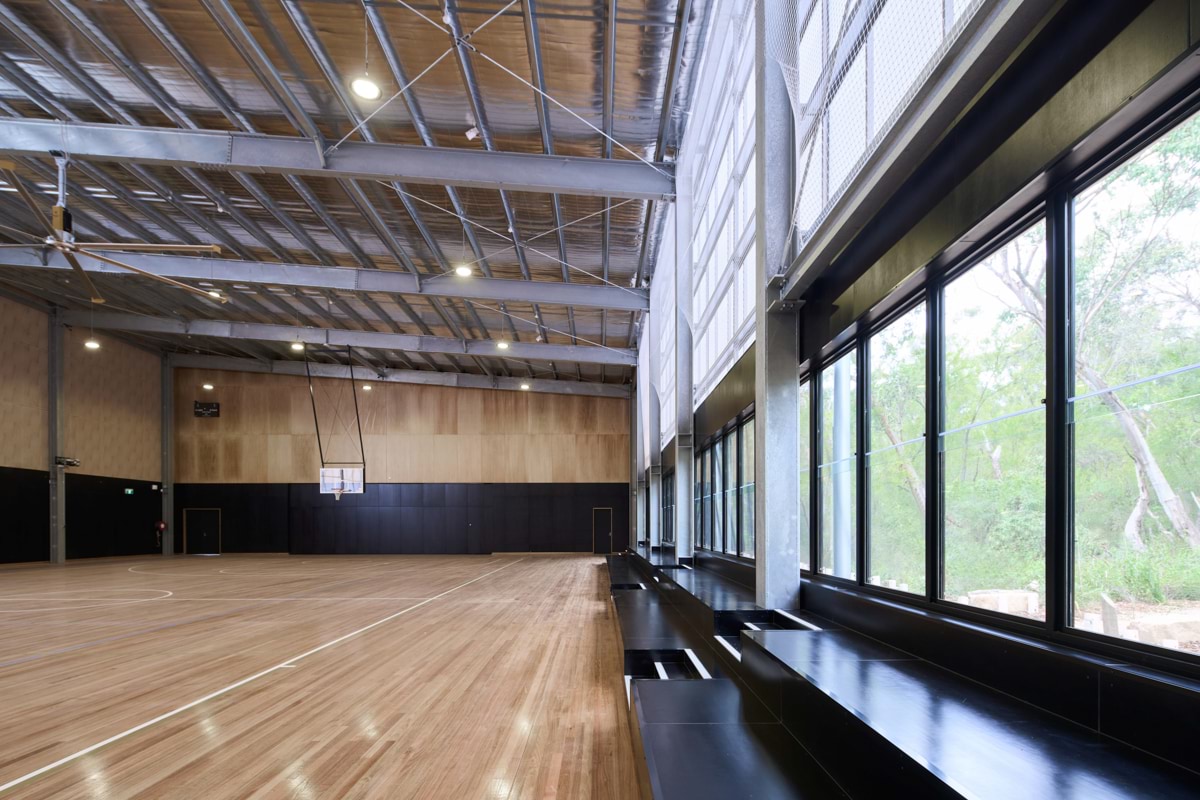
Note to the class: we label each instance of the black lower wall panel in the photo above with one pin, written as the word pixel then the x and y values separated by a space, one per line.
pixel 254 516
pixel 25 525
pixel 442 518
pixel 103 519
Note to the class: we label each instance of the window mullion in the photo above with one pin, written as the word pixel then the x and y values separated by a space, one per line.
pixel 814 478
pixel 1059 374
pixel 934 405
pixel 862 444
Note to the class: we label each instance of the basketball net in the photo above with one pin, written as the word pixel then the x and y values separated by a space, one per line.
pixel 337 494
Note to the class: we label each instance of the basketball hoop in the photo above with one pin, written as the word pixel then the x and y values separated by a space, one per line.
pixel 337 494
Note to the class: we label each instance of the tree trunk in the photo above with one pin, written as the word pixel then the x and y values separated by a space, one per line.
pixel 1133 525
pixel 915 485
pixel 1139 450
pixel 993 453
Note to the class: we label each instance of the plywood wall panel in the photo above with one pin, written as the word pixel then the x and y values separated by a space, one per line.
pixel 23 387
pixel 112 402
pixel 411 433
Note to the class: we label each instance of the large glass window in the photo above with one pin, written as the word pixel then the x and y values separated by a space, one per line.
pixel 697 489
pixel 896 455
pixel 994 434
pixel 668 511
pixel 718 495
pixel 804 490
pixel 1136 400
pixel 836 468
pixel 746 491
pixel 729 445
pixel 707 505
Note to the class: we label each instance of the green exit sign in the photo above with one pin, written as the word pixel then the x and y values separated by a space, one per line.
pixel 129 491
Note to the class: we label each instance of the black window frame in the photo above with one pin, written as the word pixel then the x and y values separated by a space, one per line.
pixel 706 539
pixel 1050 198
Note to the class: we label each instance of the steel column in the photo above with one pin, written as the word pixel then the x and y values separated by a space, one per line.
pixel 684 385
pixel 55 417
pixel 167 412
pixel 776 386
pixel 654 428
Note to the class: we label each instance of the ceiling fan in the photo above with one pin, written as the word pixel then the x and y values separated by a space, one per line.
pixel 59 236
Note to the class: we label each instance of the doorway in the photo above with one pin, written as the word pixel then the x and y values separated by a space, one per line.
pixel 202 531
pixel 602 530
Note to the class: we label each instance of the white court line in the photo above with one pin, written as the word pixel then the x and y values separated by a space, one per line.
pixel 294 597
pixel 289 663
pixel 662 673
pixel 797 620
pixel 104 603
pixel 732 651
pixel 695 663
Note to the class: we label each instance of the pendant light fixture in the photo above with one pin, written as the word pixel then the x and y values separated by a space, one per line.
pixel 363 86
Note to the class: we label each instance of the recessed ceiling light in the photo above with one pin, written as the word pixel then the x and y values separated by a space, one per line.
pixel 92 344
pixel 463 271
pixel 366 387
pixel 208 387
pixel 525 386
pixel 297 346
pixel 365 88
pixel 501 345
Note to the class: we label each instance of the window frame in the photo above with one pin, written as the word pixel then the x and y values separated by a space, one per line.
pixel 816 506
pixel 731 431
pixel 884 322
pixel 1051 200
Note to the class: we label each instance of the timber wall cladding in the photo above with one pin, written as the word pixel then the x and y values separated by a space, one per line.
pixel 113 398
pixel 23 387
pixel 411 433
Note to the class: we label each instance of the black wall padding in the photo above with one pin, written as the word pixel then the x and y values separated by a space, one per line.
pixel 25 520
pixel 102 520
pixel 444 518
pixel 254 516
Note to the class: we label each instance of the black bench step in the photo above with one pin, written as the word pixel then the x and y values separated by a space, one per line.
pixel 886 723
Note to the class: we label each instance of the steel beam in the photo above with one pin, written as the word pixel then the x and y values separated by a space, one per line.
pixel 347 279
pixel 290 155
pixel 423 377
pixel 534 47
pixel 340 337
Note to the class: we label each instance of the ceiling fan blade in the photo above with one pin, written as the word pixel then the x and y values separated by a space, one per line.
pixel 153 248
pixel 74 262
pixel 151 275
pixel 6 168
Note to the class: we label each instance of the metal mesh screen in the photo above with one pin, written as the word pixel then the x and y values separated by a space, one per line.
pixel 851 68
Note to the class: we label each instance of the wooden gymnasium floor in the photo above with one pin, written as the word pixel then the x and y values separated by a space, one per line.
pixel 342 676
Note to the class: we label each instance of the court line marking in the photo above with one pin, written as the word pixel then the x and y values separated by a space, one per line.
pixel 110 603
pixel 287 664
